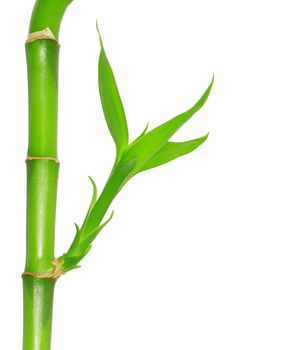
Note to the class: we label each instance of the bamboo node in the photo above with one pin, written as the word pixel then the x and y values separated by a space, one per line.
pixel 53 275
pixel 40 35
pixel 29 158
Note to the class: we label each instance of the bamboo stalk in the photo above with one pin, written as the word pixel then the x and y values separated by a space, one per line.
pixel 151 149
pixel 42 53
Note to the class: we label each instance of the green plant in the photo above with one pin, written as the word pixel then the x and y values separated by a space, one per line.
pixel 151 149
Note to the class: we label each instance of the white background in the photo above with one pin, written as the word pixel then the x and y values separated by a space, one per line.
pixel 203 253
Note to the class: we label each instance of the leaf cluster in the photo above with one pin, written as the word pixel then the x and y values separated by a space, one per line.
pixel 151 149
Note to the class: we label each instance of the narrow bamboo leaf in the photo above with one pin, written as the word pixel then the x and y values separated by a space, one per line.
pixel 82 247
pixel 149 144
pixel 118 178
pixel 88 239
pixel 76 238
pixel 93 202
pixel 143 133
pixel 94 197
pixel 111 103
pixel 171 151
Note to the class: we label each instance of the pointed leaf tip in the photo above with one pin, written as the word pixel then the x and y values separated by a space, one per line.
pixel 100 38
pixel 145 148
pixel 171 151
pixel 112 104
pixel 145 130
pixel 89 238
pixel 141 135
pixel 95 194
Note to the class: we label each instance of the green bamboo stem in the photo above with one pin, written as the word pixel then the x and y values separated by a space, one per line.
pixel 38 302
pixel 42 174
pixel 149 150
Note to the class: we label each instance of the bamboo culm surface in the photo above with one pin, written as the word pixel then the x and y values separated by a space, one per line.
pixel 42 174
pixel 149 150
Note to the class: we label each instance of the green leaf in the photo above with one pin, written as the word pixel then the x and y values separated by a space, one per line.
pixel 88 239
pixel 171 151
pixel 145 147
pixel 76 239
pixel 93 202
pixel 117 179
pixel 94 197
pixel 81 246
pixel 143 133
pixel 111 103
